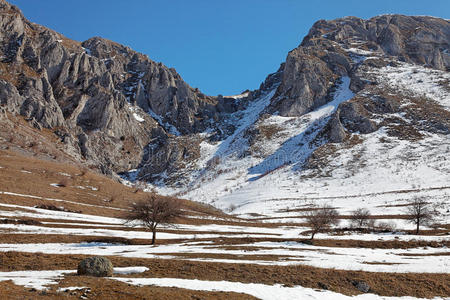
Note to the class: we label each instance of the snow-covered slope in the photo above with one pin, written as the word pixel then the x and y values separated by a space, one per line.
pixel 353 118
pixel 240 166
pixel 273 164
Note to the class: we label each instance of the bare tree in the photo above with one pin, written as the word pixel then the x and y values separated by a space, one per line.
pixel 320 218
pixel 360 217
pixel 154 211
pixel 419 212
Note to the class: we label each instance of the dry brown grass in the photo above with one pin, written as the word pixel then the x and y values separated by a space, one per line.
pixel 224 243
pixel 236 257
pixel 29 175
pixel 387 284
pixel 388 244
pixel 44 172
pixel 269 130
pixel 12 238
pixel 103 288
pixel 10 72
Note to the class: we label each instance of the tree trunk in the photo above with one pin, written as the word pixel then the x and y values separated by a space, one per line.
pixel 417 229
pixel 153 236
pixel 312 235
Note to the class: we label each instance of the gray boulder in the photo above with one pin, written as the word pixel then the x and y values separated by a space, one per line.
pixel 95 266
pixel 362 286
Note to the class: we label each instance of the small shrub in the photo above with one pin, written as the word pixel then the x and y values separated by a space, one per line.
pixel 371 224
pixel 213 162
pixel 360 218
pixel 387 226
pixel 321 218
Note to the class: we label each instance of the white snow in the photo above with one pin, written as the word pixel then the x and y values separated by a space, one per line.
pixel 72 288
pixel 239 181
pixel 416 260
pixel 88 51
pixel 418 81
pixel 57 200
pixel 360 51
pixel 130 270
pixel 41 279
pixel 24 211
pixel 239 96
pixel 138 118
pixel 32 229
pixel 136 112
pixel 33 279
pixel 169 127
pixel 381 173
pixel 260 291
pixel 64 174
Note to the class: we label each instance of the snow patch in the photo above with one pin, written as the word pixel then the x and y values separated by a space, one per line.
pixel 260 291
pixel 138 118
pixel 33 279
pixel 130 270
pixel 417 80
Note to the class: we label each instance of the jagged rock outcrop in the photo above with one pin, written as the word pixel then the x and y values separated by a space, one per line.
pixel 107 101
pixel 152 86
pixel 117 110
pixel 306 82
pixel 325 55
pixel 337 132
pixel 169 156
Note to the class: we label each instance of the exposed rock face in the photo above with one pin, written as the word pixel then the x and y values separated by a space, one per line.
pixel 323 56
pixel 306 82
pixel 97 266
pixel 337 132
pixel 117 110
pixel 167 156
pixel 102 96
pixel 152 86
pixel 419 40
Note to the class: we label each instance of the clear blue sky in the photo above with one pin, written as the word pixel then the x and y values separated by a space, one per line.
pixel 221 47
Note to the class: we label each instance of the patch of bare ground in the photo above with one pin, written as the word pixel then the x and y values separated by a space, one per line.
pixel 426 254
pixel 103 288
pixel 380 263
pixel 379 244
pixel 387 284
pixel 404 191
pixel 342 217
pixel 224 243
pixel 238 222
pixel 81 189
pixel 206 256
pixel 12 238
pixel 37 222
pixel 45 220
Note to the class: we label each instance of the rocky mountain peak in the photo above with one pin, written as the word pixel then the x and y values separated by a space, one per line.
pixel 415 39
pixel 104 97
pixel 328 52
pixel 117 110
